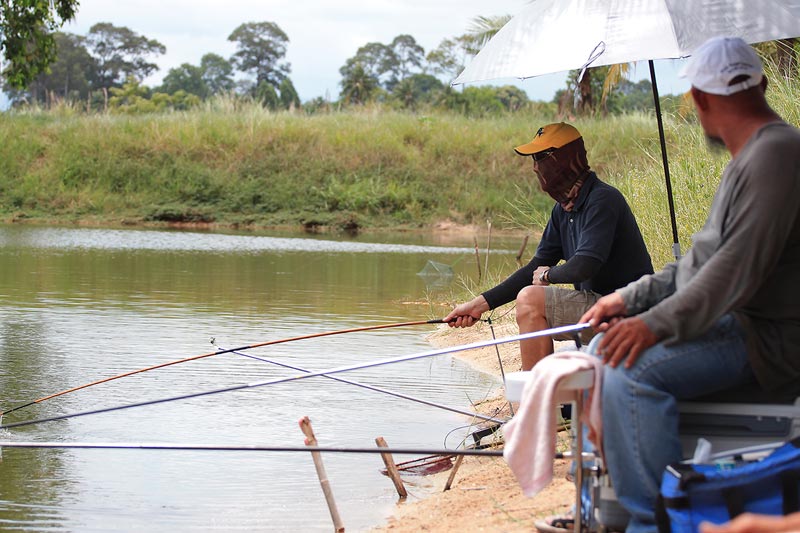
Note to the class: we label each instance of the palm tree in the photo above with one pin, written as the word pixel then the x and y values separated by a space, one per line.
pixel 483 29
pixel 358 86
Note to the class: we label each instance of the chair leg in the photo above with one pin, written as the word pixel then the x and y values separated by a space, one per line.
pixel 576 416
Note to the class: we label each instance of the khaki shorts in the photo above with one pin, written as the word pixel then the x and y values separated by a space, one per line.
pixel 565 307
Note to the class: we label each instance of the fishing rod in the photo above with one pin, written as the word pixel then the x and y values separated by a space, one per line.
pixel 261 448
pixel 196 357
pixel 361 366
pixel 377 389
pixel 244 448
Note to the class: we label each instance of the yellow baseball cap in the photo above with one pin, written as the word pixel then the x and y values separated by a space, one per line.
pixel 550 136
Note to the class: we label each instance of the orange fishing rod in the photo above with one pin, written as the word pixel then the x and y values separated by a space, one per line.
pixel 194 358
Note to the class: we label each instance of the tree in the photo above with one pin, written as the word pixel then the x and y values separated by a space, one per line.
pixel 513 98
pixel 407 54
pixel 289 97
pixel 267 95
pixel 579 94
pixel 261 46
pixel 216 73
pixel 187 78
pixel 406 93
pixel 25 36
pixel 121 53
pixel 181 100
pixel 69 75
pixel 358 87
pixel 474 101
pixel 449 58
pixel 630 96
pixel 317 105
pixel 614 76
pixel 417 89
pixel 131 97
pixel 483 29
pixel 375 60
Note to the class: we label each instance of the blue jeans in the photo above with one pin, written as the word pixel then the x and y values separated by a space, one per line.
pixel 640 411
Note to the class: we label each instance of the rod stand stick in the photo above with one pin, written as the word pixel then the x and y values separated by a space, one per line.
pixel 311 440
pixel 391 469
pixel 477 257
pixel 452 475
pixel 522 250
pixel 488 247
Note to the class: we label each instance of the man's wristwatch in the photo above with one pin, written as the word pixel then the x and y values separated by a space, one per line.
pixel 543 277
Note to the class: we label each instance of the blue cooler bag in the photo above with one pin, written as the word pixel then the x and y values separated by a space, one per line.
pixel 694 493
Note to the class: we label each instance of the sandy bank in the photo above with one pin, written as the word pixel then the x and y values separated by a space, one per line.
pixel 485 496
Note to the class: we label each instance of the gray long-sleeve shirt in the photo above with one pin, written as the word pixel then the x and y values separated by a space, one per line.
pixel 745 260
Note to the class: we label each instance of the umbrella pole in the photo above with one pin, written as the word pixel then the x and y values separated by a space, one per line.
pixel 676 247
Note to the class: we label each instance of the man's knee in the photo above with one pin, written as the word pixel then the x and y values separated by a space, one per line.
pixel 530 302
pixel 619 385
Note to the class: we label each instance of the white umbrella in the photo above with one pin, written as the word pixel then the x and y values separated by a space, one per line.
pixel 557 35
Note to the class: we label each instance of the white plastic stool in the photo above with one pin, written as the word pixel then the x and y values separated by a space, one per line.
pixel 570 390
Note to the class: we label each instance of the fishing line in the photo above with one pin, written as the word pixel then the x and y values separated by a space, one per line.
pixel 375 389
pixel 476 441
pixel 499 360
pixel 380 362
pixel 193 358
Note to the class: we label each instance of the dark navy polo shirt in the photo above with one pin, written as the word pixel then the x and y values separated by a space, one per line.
pixel 601 226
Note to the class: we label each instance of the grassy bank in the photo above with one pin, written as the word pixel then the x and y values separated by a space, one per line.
pixel 253 167
pixel 246 166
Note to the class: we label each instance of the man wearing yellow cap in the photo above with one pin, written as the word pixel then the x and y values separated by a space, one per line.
pixel 591 228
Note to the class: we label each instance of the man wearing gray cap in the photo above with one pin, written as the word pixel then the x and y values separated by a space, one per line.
pixel 726 314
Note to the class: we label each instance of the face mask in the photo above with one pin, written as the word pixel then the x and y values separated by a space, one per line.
pixel 562 172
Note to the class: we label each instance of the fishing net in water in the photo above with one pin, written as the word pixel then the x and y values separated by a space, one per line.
pixel 434 269
pixel 424 466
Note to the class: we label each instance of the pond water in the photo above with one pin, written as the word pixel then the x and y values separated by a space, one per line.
pixel 77 305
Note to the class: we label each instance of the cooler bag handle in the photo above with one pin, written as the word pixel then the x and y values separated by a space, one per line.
pixel 734 501
pixel 790 483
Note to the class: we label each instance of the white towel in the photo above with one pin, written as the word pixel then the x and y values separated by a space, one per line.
pixel 530 437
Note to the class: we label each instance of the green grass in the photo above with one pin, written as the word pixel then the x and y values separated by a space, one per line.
pixel 249 166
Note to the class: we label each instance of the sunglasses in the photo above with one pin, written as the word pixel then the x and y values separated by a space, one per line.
pixel 539 156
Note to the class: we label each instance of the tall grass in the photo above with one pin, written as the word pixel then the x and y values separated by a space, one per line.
pixel 251 166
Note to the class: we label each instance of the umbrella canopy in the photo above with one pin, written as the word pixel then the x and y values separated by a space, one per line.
pixel 557 35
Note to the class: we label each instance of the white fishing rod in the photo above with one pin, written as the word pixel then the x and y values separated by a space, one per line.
pixel 337 370
pixel 262 448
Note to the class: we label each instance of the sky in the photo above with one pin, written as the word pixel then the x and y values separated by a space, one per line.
pixel 323 34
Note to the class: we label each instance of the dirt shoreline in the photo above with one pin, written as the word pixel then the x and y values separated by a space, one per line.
pixel 439 227
pixel 484 496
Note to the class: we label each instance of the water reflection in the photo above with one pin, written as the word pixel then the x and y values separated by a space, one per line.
pixel 78 305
